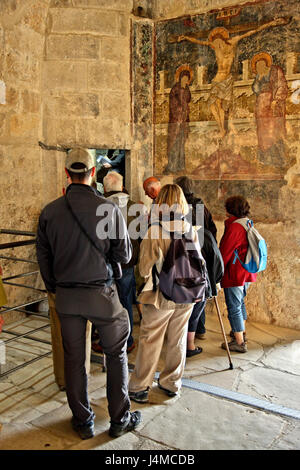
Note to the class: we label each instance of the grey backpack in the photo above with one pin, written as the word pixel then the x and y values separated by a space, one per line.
pixel 183 277
pixel 257 253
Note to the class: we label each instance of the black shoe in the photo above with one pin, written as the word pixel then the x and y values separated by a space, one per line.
pixel 117 430
pixel 85 431
pixel 193 352
pixel 139 397
pixel 168 392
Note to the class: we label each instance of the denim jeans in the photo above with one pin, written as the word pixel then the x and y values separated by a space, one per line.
pixel 126 289
pixel 234 297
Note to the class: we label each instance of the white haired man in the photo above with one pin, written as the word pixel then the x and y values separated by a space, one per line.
pixel 114 191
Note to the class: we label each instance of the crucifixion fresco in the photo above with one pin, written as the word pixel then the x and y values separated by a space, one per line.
pixel 225 81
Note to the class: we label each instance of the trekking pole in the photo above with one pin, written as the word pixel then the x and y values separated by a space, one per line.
pixel 104 363
pixel 223 332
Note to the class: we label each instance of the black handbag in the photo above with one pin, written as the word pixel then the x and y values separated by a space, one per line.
pixel 116 267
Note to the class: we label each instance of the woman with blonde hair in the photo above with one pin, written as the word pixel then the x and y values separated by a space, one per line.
pixel 162 320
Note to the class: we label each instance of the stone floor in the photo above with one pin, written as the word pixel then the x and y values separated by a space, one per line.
pixel 35 415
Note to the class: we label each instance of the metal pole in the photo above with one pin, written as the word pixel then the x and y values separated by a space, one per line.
pixel 22 305
pixel 19 275
pixel 23 285
pixel 18 232
pixel 25 364
pixel 15 244
pixel 24 334
pixel 223 332
pixel 29 312
pixel 11 258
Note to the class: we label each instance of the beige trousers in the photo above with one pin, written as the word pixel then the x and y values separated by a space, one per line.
pixel 57 346
pixel 157 325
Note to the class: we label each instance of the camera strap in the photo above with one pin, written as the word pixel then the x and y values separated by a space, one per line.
pixel 83 229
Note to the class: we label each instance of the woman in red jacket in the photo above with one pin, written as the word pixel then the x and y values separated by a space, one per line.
pixel 236 279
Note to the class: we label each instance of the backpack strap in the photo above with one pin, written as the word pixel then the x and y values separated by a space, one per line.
pixel 247 224
pixel 83 229
pixel 155 275
pixel 244 222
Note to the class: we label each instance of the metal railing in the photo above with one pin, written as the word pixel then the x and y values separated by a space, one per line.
pixel 20 308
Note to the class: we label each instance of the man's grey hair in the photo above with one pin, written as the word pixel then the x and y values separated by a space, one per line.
pixel 113 181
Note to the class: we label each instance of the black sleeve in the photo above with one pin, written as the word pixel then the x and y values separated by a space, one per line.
pixel 118 160
pixel 44 255
pixel 209 223
pixel 214 260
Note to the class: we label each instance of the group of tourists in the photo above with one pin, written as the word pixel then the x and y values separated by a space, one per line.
pixel 92 264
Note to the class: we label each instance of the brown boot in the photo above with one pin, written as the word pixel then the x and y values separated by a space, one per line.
pixel 234 346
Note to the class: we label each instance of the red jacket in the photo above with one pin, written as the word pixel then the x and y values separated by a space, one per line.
pixel 234 238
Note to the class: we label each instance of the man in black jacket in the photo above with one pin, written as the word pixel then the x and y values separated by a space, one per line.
pixel 81 236
pixel 186 185
pixel 214 263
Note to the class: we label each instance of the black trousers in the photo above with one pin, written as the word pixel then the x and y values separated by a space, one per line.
pixel 103 308
pixel 195 316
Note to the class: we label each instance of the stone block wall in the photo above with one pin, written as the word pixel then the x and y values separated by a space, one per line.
pixel 64 81
pixel 80 72
pixel 86 74
pixel 23 168
pixel 163 9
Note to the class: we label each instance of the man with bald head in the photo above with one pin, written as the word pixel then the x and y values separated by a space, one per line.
pixel 152 187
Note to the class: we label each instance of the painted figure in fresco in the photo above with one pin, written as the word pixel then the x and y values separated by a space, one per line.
pixel 225 49
pixel 178 128
pixel 271 90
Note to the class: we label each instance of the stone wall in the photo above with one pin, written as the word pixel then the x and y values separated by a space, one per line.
pixel 86 74
pixel 80 72
pixel 142 108
pixel 163 9
pixel 64 81
pixel 273 193
pixel 23 167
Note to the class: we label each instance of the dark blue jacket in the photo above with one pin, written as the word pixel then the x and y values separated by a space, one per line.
pixel 66 257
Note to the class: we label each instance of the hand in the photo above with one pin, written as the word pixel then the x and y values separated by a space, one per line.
pixel 181 38
pixel 107 165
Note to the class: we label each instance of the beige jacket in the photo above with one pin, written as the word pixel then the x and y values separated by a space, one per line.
pixel 153 250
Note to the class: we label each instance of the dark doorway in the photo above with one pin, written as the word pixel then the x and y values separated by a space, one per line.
pixel 109 160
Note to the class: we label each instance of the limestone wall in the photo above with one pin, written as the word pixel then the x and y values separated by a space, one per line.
pixel 64 81
pixel 23 167
pixel 80 72
pixel 86 73
pixel 163 9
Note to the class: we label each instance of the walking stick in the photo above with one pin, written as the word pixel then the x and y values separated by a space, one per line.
pixel 104 363
pixel 223 332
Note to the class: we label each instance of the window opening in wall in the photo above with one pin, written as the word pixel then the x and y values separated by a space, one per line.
pixel 105 159
pixel 108 160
